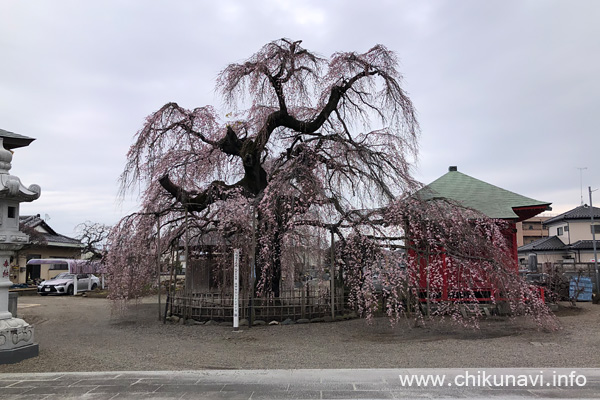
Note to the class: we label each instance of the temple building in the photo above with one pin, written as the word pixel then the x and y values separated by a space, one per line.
pixel 493 202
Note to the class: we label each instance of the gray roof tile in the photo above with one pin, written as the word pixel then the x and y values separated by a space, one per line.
pixel 544 244
pixel 553 243
pixel 581 212
pixel 52 236
pixel 583 245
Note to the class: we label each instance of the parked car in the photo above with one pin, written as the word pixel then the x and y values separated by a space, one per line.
pixel 64 283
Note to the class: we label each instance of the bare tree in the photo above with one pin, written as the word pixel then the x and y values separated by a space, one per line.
pixel 93 236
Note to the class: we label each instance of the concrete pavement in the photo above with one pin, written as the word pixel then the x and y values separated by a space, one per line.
pixel 306 384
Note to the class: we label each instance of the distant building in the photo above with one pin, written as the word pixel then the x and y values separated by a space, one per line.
pixel 45 242
pixel 531 229
pixel 569 237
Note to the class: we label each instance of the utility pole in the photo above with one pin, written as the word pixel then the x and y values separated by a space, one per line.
pixel 594 241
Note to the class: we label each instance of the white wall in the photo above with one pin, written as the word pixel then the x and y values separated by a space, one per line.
pixel 577 230
pixel 553 231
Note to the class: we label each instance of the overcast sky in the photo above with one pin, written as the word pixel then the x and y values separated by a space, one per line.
pixel 509 91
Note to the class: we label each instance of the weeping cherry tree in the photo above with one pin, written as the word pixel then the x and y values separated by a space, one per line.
pixel 306 144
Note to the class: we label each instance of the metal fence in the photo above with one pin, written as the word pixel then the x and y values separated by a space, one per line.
pixel 558 276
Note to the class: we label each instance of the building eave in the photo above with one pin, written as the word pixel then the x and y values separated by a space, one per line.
pixel 58 244
pixel 14 140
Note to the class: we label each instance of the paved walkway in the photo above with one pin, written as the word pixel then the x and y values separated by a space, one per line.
pixel 304 384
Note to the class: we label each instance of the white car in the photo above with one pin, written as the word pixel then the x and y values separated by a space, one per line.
pixel 64 283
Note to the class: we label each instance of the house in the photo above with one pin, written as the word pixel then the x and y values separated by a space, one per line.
pixel 492 201
pixel 569 237
pixel 45 242
pixel 531 229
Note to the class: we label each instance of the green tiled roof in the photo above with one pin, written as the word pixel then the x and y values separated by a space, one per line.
pixel 488 199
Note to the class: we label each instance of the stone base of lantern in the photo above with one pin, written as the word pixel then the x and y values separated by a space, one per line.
pixel 19 354
pixel 16 341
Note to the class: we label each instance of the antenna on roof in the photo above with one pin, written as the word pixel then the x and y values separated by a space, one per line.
pixel 581 181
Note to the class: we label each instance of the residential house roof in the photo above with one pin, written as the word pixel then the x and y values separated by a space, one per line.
pixel 50 236
pixel 488 199
pixel 581 212
pixel 583 245
pixel 553 243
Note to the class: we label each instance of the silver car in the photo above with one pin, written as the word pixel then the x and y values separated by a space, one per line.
pixel 64 283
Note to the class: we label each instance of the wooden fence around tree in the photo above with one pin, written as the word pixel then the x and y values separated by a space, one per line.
pixel 310 301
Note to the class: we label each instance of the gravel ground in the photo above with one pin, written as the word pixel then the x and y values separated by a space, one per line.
pixel 83 334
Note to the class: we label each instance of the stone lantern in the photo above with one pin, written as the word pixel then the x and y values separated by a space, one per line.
pixel 16 335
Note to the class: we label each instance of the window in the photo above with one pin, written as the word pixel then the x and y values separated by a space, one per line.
pixel 12 212
pixel 567 228
pixel 559 231
pixel 595 228
pixel 59 267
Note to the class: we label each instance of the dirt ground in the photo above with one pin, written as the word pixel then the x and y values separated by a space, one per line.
pixel 83 334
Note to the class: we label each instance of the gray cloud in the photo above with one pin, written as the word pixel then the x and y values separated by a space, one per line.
pixel 506 90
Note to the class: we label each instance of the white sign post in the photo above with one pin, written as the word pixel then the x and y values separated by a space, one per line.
pixel 236 289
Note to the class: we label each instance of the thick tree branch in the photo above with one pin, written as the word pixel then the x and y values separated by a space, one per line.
pixel 230 143
pixel 217 190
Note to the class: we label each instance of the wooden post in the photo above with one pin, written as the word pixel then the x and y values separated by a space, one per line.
pixel 158 261
pixel 173 279
pixel 427 277
pixel 188 267
pixel 332 275
pixel 303 303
